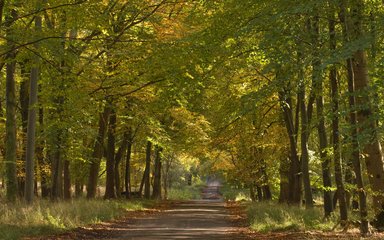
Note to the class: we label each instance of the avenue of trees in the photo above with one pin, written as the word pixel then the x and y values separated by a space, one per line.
pixel 283 97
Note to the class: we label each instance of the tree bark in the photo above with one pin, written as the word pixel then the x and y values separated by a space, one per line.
pixel 56 157
pixel 24 108
pixel 110 167
pixel 294 176
pixel 259 193
pixel 128 166
pixel 317 82
pixel 31 129
pixel 284 184
pixel 304 149
pixel 147 177
pixel 365 116
pixel 341 195
pixel 10 124
pixel 97 154
pixel 156 194
pixel 67 180
pixel 41 158
pixel 355 155
pixel 336 149
pixel 118 157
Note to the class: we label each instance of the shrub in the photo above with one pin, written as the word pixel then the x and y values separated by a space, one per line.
pixel 184 193
pixel 45 217
pixel 270 216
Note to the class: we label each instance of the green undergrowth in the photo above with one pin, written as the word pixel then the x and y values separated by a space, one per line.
pixel 45 217
pixel 271 217
pixel 185 193
pixel 231 193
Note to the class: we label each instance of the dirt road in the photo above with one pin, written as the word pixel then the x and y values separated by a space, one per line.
pixel 200 219
pixel 205 219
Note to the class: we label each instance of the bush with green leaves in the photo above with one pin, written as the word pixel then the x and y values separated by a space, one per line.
pixel 270 216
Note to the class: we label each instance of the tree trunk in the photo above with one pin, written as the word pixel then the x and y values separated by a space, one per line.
pixel 31 132
pixel 252 193
pixel 43 164
pixel 67 181
pixel 156 194
pixel 259 193
pixel 166 168
pixel 97 154
pixel 323 145
pixel 10 125
pixel 78 188
pixel 118 157
pixel 336 139
pixel 267 195
pixel 284 184
pixel 110 166
pixel 355 155
pixel 304 149
pixel 24 108
pixel 372 148
pixel 294 169
pixel 128 167
pixel 365 117
pixel 57 167
pixel 147 177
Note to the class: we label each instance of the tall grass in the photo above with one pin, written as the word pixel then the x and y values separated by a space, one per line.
pixel 44 217
pixel 270 216
pixel 231 193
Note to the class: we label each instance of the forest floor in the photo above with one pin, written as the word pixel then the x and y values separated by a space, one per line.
pixel 210 218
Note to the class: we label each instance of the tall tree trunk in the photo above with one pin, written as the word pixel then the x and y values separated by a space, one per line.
pixel 374 155
pixel 304 149
pixel 10 125
pixel 355 155
pixel 147 177
pixel 166 168
pixel 284 184
pixel 128 166
pixel 118 157
pixel 24 108
pixel 110 166
pixel 56 157
pixel 156 194
pixel 335 134
pixel 365 116
pixel 259 193
pixel 294 176
pixel 31 132
pixel 43 164
pixel 317 82
pixel 97 154
pixel 336 149
pixel 67 180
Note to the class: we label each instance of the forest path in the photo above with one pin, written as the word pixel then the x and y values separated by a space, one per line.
pixel 203 219
pixel 206 219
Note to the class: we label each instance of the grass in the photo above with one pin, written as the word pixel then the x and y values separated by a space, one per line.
pixel 45 217
pixel 234 194
pixel 271 217
pixel 185 193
